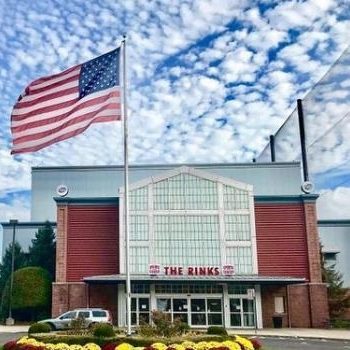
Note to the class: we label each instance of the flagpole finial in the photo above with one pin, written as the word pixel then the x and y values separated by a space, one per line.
pixel 124 36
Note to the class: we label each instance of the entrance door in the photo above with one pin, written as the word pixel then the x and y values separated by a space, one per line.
pixel 242 312
pixel 140 310
pixel 206 312
pixel 180 309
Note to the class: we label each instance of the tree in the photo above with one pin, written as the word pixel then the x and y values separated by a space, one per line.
pixel 43 249
pixel 20 261
pixel 338 296
pixel 31 296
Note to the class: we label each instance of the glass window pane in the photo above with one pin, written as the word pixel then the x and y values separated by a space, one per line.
pixel 197 305
pixel 181 316
pixel 143 304
pixel 133 318
pixel 248 320
pixel 248 305
pixel 235 320
pixel 185 191
pixel 215 319
pixel 235 305
pixel 214 305
pixel 164 305
pixel 179 304
pixel 198 319
pixel 144 317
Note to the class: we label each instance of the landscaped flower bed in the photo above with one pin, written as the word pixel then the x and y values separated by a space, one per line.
pixel 235 343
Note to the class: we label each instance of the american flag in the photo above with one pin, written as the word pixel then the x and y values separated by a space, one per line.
pixel 60 106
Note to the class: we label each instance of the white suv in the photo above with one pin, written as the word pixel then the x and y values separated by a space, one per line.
pixel 90 316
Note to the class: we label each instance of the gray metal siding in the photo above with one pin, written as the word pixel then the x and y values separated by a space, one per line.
pixel 267 179
pixel 337 238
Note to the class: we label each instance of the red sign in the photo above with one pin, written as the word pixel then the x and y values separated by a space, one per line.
pixel 192 271
pixel 154 269
pixel 228 270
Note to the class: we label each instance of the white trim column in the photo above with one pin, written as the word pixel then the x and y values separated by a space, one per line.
pixel 258 306
pixel 226 306
pixel 121 305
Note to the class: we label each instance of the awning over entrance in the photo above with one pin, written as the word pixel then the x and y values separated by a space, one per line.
pixel 257 279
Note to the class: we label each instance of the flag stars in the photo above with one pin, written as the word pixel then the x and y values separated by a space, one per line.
pixel 99 74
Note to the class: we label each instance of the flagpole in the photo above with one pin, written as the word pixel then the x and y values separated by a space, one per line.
pixel 126 195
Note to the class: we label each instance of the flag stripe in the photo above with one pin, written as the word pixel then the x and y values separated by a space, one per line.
pixel 59 133
pixel 60 123
pixel 63 105
pixel 49 80
pixel 25 148
pixel 61 86
pixel 25 128
pixel 62 110
pixel 52 96
pixel 51 131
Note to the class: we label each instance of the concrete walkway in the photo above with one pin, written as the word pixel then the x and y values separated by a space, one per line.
pixel 266 332
pixel 296 332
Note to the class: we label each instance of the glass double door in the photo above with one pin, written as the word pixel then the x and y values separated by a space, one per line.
pixel 196 311
pixel 242 312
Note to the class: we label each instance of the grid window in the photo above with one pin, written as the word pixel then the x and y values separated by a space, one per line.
pixel 138 227
pixel 241 258
pixel 140 288
pixel 237 227
pixel 139 260
pixel 239 289
pixel 187 240
pixel 139 199
pixel 185 192
pixel 188 289
pixel 235 198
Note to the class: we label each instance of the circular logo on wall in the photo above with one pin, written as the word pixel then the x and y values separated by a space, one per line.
pixel 62 190
pixel 307 187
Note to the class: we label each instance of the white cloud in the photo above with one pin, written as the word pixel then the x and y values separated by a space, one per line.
pixel 204 76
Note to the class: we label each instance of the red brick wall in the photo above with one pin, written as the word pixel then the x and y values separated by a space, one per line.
pixel 299 307
pixel 313 242
pixel 281 240
pixel 318 305
pixel 104 296
pixel 68 296
pixel 268 294
pixel 61 243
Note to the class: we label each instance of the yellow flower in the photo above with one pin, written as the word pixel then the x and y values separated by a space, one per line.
pixel 124 346
pixel 231 345
pixel 76 347
pixel 62 346
pixel 213 344
pixel 202 345
pixel 245 342
pixel 138 348
pixel 189 344
pixel 159 346
pixel 177 346
pixel 50 346
pixel 23 340
pixel 91 346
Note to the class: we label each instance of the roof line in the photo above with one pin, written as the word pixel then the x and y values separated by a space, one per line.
pixel 172 165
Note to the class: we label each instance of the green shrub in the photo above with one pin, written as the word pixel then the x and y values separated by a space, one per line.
pixel 184 327
pixel 134 341
pixel 103 330
pixel 31 296
pixel 216 330
pixel 338 323
pixel 39 328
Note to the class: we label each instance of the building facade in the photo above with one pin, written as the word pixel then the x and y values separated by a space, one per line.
pixel 231 245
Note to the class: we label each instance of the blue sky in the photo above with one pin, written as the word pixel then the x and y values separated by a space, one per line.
pixel 209 81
